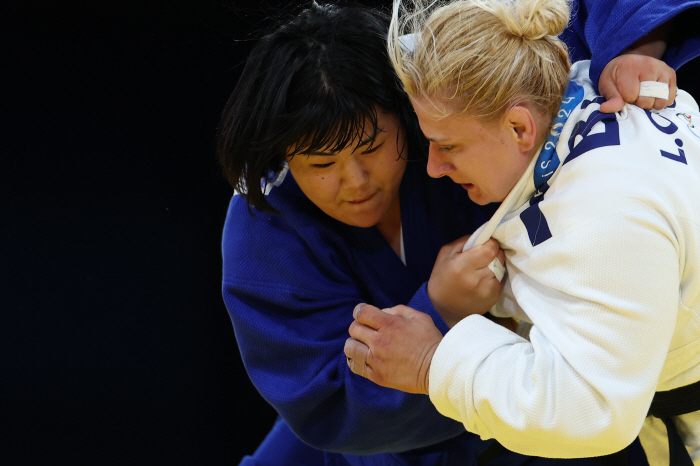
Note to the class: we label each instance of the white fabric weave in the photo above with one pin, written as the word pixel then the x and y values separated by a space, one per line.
pixel 613 294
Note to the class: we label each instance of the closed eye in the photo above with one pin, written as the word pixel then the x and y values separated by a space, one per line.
pixel 322 165
pixel 373 149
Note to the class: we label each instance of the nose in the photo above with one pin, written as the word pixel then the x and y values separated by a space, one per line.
pixel 355 174
pixel 438 164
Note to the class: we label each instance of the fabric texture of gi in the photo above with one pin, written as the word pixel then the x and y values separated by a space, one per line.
pixel 603 262
pixel 291 282
pixel 601 29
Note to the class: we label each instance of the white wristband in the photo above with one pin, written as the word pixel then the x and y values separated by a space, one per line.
pixel 653 89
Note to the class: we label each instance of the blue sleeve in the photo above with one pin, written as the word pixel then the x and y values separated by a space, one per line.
pixel 421 302
pixel 291 333
pixel 601 29
pixel 291 340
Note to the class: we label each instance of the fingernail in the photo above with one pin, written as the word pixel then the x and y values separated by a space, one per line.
pixel 356 311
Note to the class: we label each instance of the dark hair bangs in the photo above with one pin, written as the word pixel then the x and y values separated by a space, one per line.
pixel 331 124
pixel 313 85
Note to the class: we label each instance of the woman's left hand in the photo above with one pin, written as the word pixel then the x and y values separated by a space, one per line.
pixel 621 78
pixel 392 347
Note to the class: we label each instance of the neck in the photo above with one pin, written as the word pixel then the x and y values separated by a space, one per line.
pixel 390 226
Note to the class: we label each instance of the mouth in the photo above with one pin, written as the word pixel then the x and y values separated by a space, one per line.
pixel 361 200
pixel 467 186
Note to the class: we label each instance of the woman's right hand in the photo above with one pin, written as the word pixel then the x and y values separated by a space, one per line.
pixel 461 283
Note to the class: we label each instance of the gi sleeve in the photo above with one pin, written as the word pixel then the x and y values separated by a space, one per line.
pixel 601 30
pixel 291 334
pixel 604 306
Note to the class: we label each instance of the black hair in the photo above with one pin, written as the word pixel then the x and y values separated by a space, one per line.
pixel 311 85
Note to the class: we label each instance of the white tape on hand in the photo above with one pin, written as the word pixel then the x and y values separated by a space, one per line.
pixel 653 89
pixel 497 268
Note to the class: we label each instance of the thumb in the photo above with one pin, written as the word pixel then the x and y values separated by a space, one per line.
pixel 608 87
pixel 403 311
pixel 457 245
pixel 613 102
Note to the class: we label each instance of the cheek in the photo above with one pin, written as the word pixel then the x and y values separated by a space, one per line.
pixel 320 188
pixel 508 175
pixel 389 171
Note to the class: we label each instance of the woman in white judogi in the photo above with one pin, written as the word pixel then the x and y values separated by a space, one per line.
pixel 600 222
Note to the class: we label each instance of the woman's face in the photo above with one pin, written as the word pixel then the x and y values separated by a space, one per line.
pixel 358 185
pixel 484 158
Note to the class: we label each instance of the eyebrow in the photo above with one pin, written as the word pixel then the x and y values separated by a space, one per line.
pixel 361 144
pixel 437 141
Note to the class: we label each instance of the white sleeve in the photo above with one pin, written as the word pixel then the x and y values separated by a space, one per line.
pixel 604 306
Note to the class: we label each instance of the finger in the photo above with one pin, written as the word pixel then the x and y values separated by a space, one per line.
pixel 403 311
pixel 628 86
pixel 652 81
pixel 362 307
pixel 458 244
pixel 373 318
pixel 647 103
pixel 481 256
pixel 349 348
pixel 358 368
pixel 356 353
pixel 369 373
pixel 455 247
pixel 660 104
pixel 361 332
pixel 490 288
pixel 608 89
pixel 357 310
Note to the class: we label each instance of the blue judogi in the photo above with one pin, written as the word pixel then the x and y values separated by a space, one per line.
pixel 601 29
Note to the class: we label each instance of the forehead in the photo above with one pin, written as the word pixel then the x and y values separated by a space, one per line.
pixel 345 135
pixel 440 124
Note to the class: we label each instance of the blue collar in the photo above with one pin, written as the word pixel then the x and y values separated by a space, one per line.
pixel 548 160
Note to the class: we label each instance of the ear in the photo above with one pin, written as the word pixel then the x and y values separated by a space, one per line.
pixel 523 125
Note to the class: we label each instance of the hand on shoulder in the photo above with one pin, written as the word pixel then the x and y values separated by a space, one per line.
pixel 621 78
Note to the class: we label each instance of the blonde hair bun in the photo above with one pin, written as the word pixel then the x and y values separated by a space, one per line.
pixel 481 57
pixel 530 19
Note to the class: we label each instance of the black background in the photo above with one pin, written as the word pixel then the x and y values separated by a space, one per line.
pixel 116 347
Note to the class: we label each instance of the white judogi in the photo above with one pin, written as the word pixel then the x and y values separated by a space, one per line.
pixel 607 269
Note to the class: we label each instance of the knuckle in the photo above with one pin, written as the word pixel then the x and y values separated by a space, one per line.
pixel 374 341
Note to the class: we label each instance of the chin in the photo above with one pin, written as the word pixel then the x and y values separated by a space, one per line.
pixel 480 199
pixel 361 221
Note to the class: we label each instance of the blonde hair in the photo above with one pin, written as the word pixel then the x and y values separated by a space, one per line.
pixel 482 57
